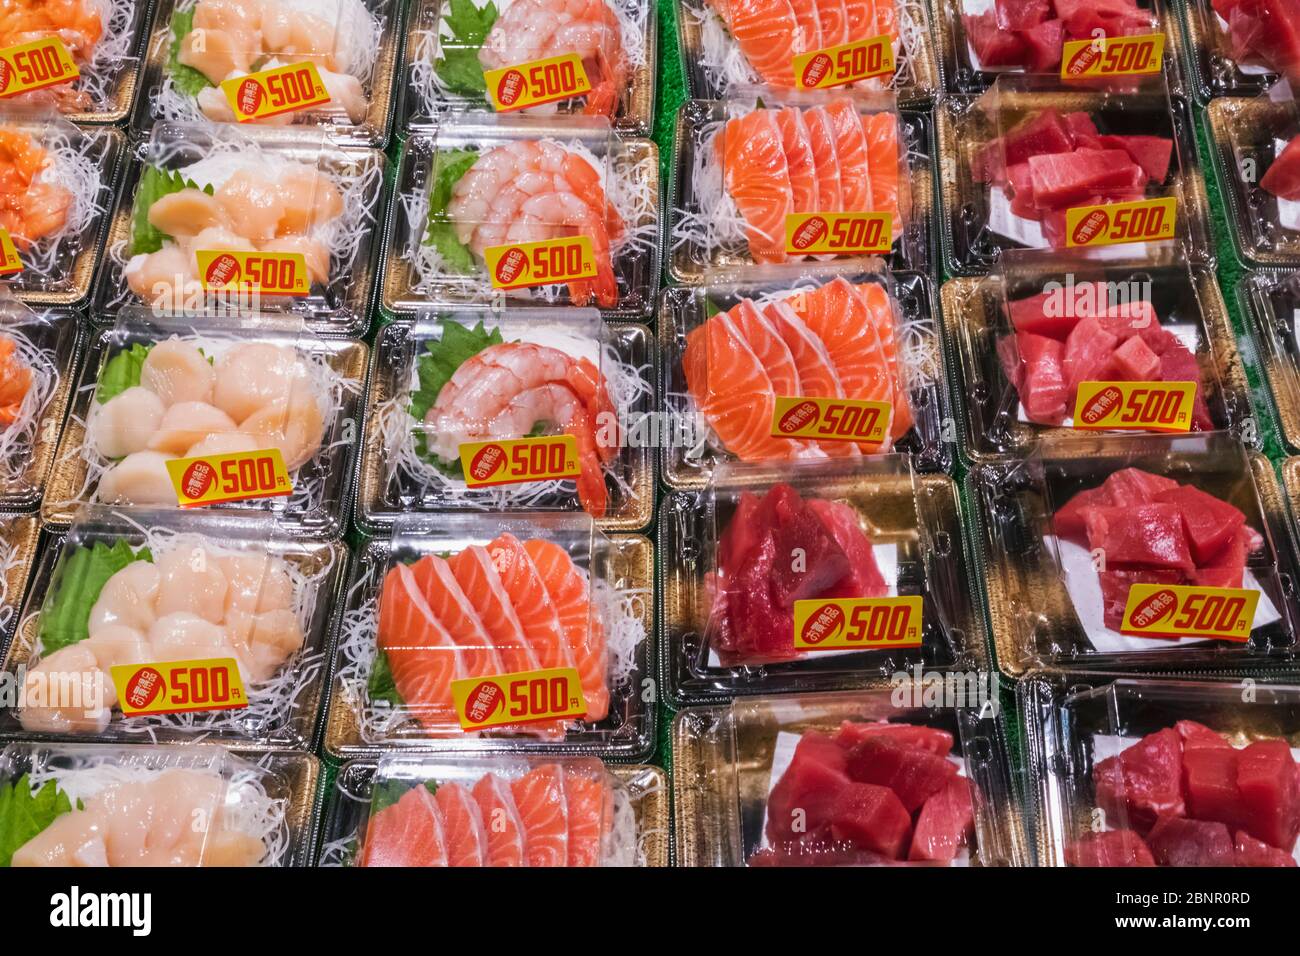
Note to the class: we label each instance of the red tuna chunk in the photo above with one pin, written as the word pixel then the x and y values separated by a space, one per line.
pixel 802 530
pixel 993 45
pixel 931 739
pixel 1021 14
pixel 1199 737
pixel 1177 364
pixel 1043 45
pixel 1042 315
pixel 871 817
pixel 1152 153
pixel 1109 848
pixel 1042 134
pixel 1128 319
pixel 945 823
pixel 1177 841
pixel 1150 536
pixel 815 777
pixel 1228 568
pixel 1143 782
pixel 1210 523
pixel 1135 362
pixel 1252 852
pixel 1282 179
pixel 1088 352
pixel 1070 521
pixel 914 775
pixel 1082 129
pixel 1112 17
pixel 1115 586
pixel 1210 784
pixel 1043 390
pixel 862 578
pixel 1133 486
pixel 1270 792
pixel 1067 180
pixel 1009 359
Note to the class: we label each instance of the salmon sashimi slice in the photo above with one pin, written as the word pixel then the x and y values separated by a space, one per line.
pixel 539 796
pixel 15 381
pixel 833 17
pixel 423 657
pixel 817 375
pixel 810 33
pixel 533 605
pixel 882 312
pixel 482 585
pixel 758 180
pixel 886 20
pixel 768 347
pixel 434 578
pixel 29 210
pixel 881 130
pixel 586 799
pixel 766 32
pixel 570 593
pixel 406 833
pixel 862 19
pixel 851 148
pixel 826 162
pixel 505 831
pixel 799 159
pixel 462 826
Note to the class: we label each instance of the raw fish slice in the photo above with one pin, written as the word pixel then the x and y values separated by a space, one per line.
pixel 826 162
pixel 462 826
pixel 505 831
pixel 862 20
pixel 15 380
pixel 434 577
pixel 406 833
pixel 768 347
pixel 882 311
pixel 881 130
pixel 766 31
pixel 585 797
pixel 482 585
pixel 817 375
pixel 539 795
pixel 851 148
pixel 886 23
pixel 799 159
pixel 836 22
pixel 758 179
pixel 422 656
pixel 532 604
pixel 807 17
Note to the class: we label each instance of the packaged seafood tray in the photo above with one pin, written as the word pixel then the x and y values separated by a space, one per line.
pixel 153 390
pixel 1131 772
pixel 1241 47
pixel 57 186
pixel 980 40
pixel 1035 163
pixel 742 354
pixel 1136 553
pixel 1256 147
pixel 851 779
pixel 454 619
pixel 1045 332
pixel 19 537
pixel 760 176
pixel 582 207
pixel 327 65
pixel 496 811
pixel 297 212
pixel 1270 301
pixel 38 361
pixel 517 365
pixel 157 806
pixel 542 57
pixel 876 582
pixel 249 611
pixel 727 44
pixel 95 47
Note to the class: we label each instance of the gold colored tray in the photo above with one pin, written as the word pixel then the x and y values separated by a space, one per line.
pixel 22 534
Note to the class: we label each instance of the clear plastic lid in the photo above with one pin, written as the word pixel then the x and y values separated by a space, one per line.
pixel 152 390
pixel 1241 49
pixel 1065 536
pixel 734 352
pixel 454 598
pixel 152 588
pixel 746 562
pixel 193 190
pixel 339 60
pixel 474 199
pixel 199 805
pixel 19 537
pixel 852 779
pixel 1163 773
pixel 1029 336
pixel 1272 301
pixel 746 165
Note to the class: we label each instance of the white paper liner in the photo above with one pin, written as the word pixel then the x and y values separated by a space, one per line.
pixel 1029 233
pixel 1288 210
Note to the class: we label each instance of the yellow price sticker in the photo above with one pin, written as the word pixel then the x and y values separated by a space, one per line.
pixel 831 419
pixel 540 263
pixel 1113 56
pixel 1186 610
pixel 513 461
pixel 238 476
pixel 281 89
pixel 846 63
pixel 825 624
pixel 9 261
pixel 520 698
pixel 35 65
pixel 1110 224
pixel 1135 406
pixel 269 273
pixel 814 233
pixel 179 687
pixel 536 82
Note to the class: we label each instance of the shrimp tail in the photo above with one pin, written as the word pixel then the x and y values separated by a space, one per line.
pixel 591 475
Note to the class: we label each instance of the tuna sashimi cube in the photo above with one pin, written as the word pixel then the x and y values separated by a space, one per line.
pixel 1084 18
pixel 1133 486
pixel 861 577
pixel 1228 568
pixel 1146 536
pixel 1043 45
pixel 802 799
pixel 1082 129
pixel 743 532
pixel 1043 134
pixel 1109 848
pixel 1270 793
pixel 1070 521
pixel 749 624
pixel 1042 315
pixel 1043 390
pixel 1199 737
pixel 914 775
pixel 823 563
pixel 1252 852
pixel 1152 153
pixel 1279 41
pixel 1143 782
pixel 1134 361
pixel 1009 359
pixel 946 821
pixel 1021 189
pixel 1021 14
pixel 1115 586
pixel 1139 318
pixel 1282 178
pixel 1067 180
pixel 1210 784
pixel 1177 364
pixel 1088 351
pixel 872 817
pixel 931 739
pixel 993 45
pixel 1177 841
pixel 1211 524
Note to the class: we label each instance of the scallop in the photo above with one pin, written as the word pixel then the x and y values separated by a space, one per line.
pixel 222 443
pixel 215 239
pixel 254 375
pixel 183 637
pixel 346 93
pixel 116 644
pixel 310 199
pixel 256 583
pixel 67 693
pixel 127 599
pixel 253 203
pixel 316 255
pixel 266 640
pixel 296 428
pixel 215 53
pixel 191 579
pixel 139 479
pixel 125 423
pixel 185 424
pixel 159 274
pixel 177 371
pixel 187 213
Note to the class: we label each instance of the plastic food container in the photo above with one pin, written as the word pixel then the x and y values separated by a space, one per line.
pixel 736 182
pixel 615 815
pixel 1097 798
pixel 409 462
pixel 294 391
pixel 269 191
pixel 983 141
pixel 354 45
pixel 797 324
pixel 448 51
pixel 730 606
pixel 38 353
pixel 717 63
pixel 1068 307
pixel 62 209
pixel 795 781
pixel 450 208
pixel 1241 60
pixel 1039 545
pixel 251 809
pixel 159 587
pixel 18 544
pixel 980 40
pixel 1272 300
pixel 578 598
